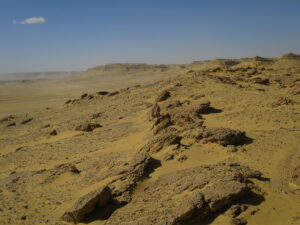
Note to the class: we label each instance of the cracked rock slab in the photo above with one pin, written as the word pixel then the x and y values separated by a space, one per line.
pixel 177 197
pixel 87 203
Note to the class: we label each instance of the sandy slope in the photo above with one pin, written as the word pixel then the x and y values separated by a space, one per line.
pixel 43 175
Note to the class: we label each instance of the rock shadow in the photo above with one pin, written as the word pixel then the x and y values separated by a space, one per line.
pixel 247 140
pixel 154 164
pixel 212 110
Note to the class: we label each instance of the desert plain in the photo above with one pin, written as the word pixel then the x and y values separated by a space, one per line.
pixel 210 142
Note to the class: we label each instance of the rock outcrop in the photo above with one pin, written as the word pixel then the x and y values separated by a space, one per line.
pixel 166 138
pixel 86 204
pixel 164 95
pixel 133 172
pixel 222 136
pixel 194 193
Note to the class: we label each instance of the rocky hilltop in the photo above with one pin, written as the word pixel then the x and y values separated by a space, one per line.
pixel 217 143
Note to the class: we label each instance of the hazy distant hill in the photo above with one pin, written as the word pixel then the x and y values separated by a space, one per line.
pixel 37 75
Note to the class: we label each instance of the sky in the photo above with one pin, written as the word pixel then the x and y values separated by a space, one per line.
pixel 56 35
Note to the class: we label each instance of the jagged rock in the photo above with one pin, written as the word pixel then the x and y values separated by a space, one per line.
pixel 167 138
pixel 164 95
pixel 189 112
pixel 134 171
pixel 177 197
pixel 26 120
pixel 87 127
pixel 87 203
pixel 259 80
pixel 155 112
pixel 161 123
pixel 182 120
pixel 222 136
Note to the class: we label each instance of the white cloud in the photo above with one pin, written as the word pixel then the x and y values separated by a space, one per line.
pixel 32 20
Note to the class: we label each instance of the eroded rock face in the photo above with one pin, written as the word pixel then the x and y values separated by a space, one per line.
pixel 176 197
pixel 87 127
pixel 222 136
pixel 154 112
pixel 187 111
pixel 134 171
pixel 166 138
pixel 161 123
pixel 87 203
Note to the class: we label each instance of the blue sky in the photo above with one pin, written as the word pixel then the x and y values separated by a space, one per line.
pixel 78 34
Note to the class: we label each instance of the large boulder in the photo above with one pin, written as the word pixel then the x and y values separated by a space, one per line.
pixel 222 136
pixel 87 203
